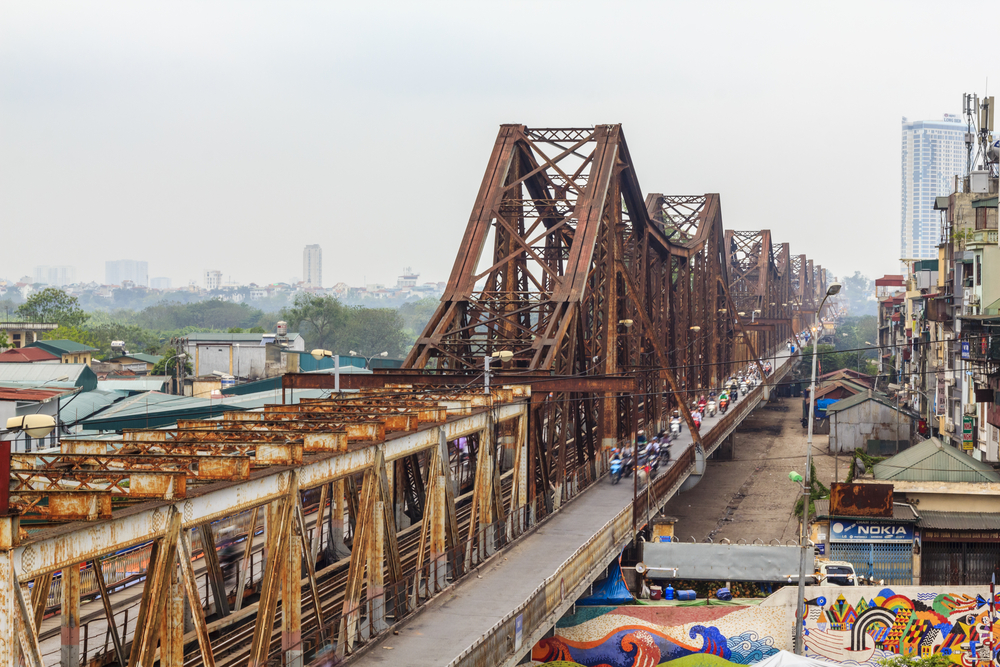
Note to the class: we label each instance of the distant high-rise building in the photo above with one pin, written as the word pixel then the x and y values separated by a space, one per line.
pixel 160 283
pixel 57 276
pixel 312 265
pixel 118 271
pixel 933 154
pixel 213 279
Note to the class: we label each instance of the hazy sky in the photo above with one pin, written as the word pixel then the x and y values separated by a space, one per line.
pixel 228 135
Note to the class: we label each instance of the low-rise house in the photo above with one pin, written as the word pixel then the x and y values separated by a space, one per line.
pixel 69 351
pixel 871 421
pixel 958 502
pixel 138 363
pixel 19 401
pixel 246 356
pixel 20 334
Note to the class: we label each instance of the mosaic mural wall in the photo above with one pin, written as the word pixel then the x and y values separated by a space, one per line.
pixel 859 628
pixel 853 626
pixel 642 636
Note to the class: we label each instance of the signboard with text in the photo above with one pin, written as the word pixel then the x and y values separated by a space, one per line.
pixel 941 399
pixel 867 531
pixel 968 425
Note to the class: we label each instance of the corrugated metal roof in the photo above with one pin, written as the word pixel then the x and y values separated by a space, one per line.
pixel 147 358
pixel 87 403
pixel 934 461
pixel 77 375
pixel 202 337
pixel 900 512
pixel 138 383
pixel 153 409
pixel 960 520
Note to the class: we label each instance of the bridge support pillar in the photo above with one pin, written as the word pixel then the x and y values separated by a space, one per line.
pixel 69 627
pixel 376 578
pixel 172 628
pixel 438 572
pixel 337 511
pixel 291 597
pixel 727 448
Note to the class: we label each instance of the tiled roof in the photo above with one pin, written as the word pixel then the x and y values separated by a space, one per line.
pixel 26 355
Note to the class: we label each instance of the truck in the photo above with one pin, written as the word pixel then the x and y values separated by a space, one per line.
pixel 836 573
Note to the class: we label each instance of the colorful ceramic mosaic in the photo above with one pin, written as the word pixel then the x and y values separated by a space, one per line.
pixel 635 636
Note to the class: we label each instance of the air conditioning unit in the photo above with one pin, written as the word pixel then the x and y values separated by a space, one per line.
pixel 974 300
pixel 969 408
pixel 949 427
pixel 949 382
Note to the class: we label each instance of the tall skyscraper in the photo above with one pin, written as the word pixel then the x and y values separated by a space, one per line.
pixel 312 265
pixel 933 154
pixel 57 276
pixel 159 283
pixel 118 271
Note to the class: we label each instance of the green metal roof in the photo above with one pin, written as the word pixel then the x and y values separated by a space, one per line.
pixel 934 461
pixel 61 346
pixel 82 405
pixel 148 358
pixel 857 399
pixel 989 202
pixel 203 337
pixel 153 409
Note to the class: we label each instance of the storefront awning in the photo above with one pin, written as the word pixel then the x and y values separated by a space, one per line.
pixel 959 520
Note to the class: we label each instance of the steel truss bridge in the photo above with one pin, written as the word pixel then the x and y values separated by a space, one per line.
pixel 337 518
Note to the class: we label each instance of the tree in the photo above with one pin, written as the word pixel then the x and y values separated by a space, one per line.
pixel 321 319
pixel 372 331
pixel 75 334
pixel 168 364
pixel 415 315
pixel 136 338
pixel 3 339
pixel 53 305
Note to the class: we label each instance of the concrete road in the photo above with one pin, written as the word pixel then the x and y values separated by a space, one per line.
pixel 751 496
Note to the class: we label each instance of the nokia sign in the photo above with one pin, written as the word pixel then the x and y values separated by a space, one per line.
pixel 864 531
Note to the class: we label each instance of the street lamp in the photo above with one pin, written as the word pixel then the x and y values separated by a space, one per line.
pixel 177 373
pixel 368 360
pixel 504 356
pixel 318 355
pixel 806 483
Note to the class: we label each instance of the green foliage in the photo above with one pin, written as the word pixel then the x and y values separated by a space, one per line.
pixel 328 324
pixel 137 340
pixel 816 490
pixel 372 331
pixel 53 305
pixel 76 334
pixel 321 319
pixel 868 461
pixel 415 315
pixel 209 315
pixel 3 339
pixel 933 660
pixel 168 364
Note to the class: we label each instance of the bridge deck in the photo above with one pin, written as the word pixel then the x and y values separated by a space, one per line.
pixel 464 613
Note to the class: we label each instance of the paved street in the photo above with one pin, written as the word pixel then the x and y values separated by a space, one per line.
pixel 751 496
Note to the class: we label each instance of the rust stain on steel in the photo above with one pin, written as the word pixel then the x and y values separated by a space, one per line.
pixel 873 500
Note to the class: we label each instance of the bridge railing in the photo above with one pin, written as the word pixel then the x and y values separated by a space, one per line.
pixel 501 641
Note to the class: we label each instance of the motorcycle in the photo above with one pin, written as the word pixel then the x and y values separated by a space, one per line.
pixel 616 470
pixel 723 405
pixel 675 426
pixel 710 409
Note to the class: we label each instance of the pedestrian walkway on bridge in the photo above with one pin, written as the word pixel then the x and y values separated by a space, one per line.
pixel 461 615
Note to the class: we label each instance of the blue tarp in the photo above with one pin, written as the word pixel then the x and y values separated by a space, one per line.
pixel 821 406
pixel 609 591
